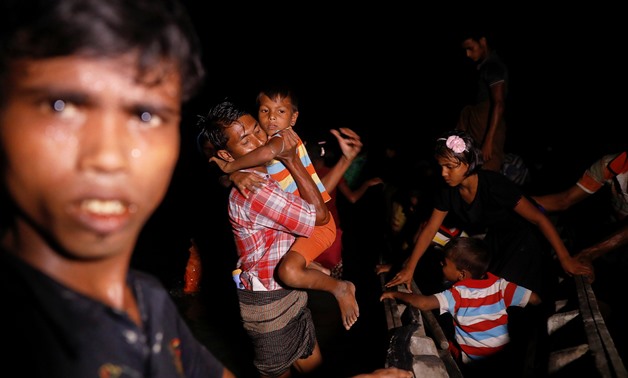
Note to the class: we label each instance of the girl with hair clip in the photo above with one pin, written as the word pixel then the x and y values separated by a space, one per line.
pixel 515 231
pixel 489 203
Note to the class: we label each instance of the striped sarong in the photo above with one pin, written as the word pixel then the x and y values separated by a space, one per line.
pixel 280 327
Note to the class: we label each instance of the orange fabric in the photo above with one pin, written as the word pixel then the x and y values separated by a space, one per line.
pixel 619 164
pixel 589 184
pixel 332 256
pixel 192 276
pixel 321 239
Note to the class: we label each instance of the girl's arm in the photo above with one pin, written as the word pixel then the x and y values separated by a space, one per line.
pixel 570 265
pixel 426 236
pixel 255 158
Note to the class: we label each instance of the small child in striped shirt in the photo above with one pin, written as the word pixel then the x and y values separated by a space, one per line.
pixel 477 301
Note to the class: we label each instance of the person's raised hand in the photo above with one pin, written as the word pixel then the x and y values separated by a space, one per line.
pixel 349 142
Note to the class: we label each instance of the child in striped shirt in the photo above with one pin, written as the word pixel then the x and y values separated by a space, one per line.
pixel 477 300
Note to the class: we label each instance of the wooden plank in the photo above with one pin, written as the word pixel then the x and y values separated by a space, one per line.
pixel 601 344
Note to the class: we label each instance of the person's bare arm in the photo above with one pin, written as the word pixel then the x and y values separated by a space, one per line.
pixel 257 157
pixel 617 239
pixel 424 240
pixel 354 195
pixel 420 301
pixel 535 299
pixel 571 266
pixel 563 200
pixel 307 188
pixel 389 372
pixel 498 106
pixel 350 145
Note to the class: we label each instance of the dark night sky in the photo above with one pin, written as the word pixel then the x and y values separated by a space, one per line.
pixel 397 71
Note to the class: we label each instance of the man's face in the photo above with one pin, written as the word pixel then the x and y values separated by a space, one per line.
pixel 244 136
pixel 89 150
pixel 475 50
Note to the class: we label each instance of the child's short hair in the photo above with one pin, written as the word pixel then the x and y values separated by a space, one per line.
pixel 279 91
pixel 470 254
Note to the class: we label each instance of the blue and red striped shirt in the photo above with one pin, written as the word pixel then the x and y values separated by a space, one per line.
pixel 478 308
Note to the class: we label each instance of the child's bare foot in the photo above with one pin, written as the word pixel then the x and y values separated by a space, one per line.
pixel 349 311
pixel 319 267
pixel 382 268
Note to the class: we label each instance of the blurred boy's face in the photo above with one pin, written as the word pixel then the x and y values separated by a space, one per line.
pixel 89 151
pixel 276 115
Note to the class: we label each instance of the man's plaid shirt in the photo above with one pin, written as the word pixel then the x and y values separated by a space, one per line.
pixel 264 226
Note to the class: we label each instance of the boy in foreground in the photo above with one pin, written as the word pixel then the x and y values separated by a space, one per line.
pixel 90 106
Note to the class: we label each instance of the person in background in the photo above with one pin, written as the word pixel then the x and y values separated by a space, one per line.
pixel 604 244
pixel 323 157
pixel 489 204
pixel 610 170
pixel 485 119
pixel 90 110
pixel 477 301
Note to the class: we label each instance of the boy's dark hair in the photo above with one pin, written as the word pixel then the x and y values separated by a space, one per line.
pixel 277 91
pixel 470 254
pixel 471 155
pixel 474 34
pixel 155 29
pixel 220 117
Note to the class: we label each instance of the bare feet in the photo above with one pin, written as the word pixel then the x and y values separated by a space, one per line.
pixel 349 311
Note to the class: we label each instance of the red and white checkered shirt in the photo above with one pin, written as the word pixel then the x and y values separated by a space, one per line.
pixel 264 227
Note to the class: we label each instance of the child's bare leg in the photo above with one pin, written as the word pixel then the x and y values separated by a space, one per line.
pixel 319 267
pixel 293 272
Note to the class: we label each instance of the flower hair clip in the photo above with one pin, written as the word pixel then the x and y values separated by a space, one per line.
pixel 456 144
